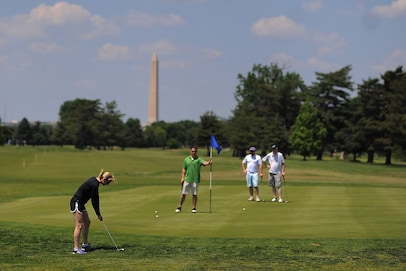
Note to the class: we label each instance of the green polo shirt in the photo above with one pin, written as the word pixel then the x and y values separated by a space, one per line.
pixel 192 167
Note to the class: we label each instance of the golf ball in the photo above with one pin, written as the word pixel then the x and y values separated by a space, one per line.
pixel 243 209
pixel 156 211
pixel 157 216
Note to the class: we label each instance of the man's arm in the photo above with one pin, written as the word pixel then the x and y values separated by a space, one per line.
pixel 283 169
pixel 182 179
pixel 205 163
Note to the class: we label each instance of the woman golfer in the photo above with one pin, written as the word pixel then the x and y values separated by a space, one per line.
pixel 88 190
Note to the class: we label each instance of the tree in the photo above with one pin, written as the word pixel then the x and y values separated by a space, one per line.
pixel 182 133
pixel 209 124
pixel 329 95
pixel 133 135
pixel 270 101
pixel 354 134
pixel 60 135
pixel 79 119
pixel 370 94
pixel 109 127
pixel 24 132
pixel 155 134
pixel 41 134
pixel 383 119
pixel 394 84
pixel 6 133
pixel 308 132
pixel 242 134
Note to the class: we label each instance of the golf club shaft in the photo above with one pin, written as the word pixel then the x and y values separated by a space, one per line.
pixel 284 184
pixel 105 226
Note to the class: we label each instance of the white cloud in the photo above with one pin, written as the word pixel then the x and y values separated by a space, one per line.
pixel 395 59
pixel 20 26
pixel 320 65
pixel 283 60
pixel 395 9
pixel 136 18
pixel 211 53
pixel 162 47
pixel 278 27
pixel 59 14
pixel 332 42
pixel 313 6
pixel 110 52
pixel 43 18
pixel 99 27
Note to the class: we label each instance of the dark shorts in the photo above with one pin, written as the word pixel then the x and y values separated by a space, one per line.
pixel 77 206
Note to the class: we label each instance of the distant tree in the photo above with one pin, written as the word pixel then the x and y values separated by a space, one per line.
pixel 182 133
pixel 155 134
pixel 2 136
pixel 79 119
pixel 270 101
pixel 134 135
pixel 354 134
pixel 160 136
pixel 370 94
pixel 60 135
pixel 242 132
pixel 383 113
pixel 209 124
pixel 397 116
pixel 394 84
pixel 109 125
pixel 308 132
pixel 24 132
pixel 329 94
pixel 41 134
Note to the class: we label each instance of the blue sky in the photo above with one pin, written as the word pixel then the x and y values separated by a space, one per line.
pixel 54 51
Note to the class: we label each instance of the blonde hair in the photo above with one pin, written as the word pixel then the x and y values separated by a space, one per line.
pixel 106 175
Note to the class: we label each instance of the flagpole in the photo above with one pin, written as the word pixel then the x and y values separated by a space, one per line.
pixel 211 173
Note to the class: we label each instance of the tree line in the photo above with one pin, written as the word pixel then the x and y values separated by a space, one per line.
pixel 330 115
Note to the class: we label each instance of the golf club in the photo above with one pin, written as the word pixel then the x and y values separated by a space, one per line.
pixel 118 249
pixel 286 191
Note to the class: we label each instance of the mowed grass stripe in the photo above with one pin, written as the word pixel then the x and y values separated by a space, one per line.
pixel 312 212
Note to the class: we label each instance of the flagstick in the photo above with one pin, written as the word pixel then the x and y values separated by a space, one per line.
pixel 211 173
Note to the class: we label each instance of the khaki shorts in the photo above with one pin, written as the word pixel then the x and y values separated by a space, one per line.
pixel 187 187
pixel 275 180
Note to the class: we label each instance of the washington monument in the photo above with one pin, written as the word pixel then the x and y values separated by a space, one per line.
pixel 153 91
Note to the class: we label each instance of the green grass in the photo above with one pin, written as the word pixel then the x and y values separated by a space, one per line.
pixel 341 215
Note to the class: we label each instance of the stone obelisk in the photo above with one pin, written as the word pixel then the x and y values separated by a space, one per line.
pixel 153 91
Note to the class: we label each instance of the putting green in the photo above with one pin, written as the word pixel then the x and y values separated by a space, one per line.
pixel 312 212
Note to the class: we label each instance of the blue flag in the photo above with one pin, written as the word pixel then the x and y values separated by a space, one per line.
pixel 214 144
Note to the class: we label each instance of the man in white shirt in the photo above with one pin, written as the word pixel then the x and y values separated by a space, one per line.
pixel 276 164
pixel 250 166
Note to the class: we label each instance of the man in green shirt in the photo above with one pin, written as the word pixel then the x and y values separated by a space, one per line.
pixel 191 177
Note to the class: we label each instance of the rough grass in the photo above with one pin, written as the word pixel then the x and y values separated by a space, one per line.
pixel 340 215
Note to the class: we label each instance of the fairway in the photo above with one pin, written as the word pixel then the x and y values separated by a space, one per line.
pixel 327 200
